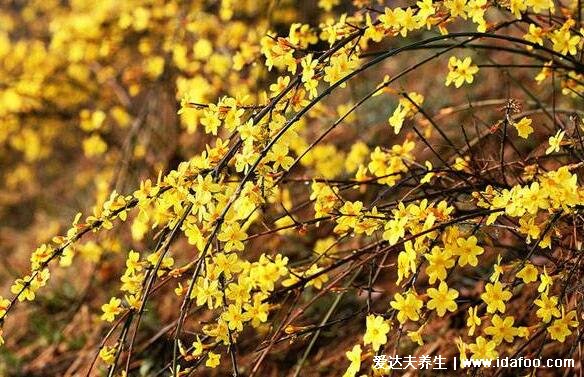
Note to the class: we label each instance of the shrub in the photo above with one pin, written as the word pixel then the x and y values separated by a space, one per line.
pixel 289 188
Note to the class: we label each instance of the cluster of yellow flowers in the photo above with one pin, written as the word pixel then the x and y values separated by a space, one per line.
pixel 234 190
pixel 556 190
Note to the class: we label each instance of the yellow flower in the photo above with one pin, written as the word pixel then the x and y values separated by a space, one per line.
pixel 133 262
pixel 528 273
pixel 523 127
pixel 232 235
pixel 219 330
pixel 406 262
pixel 340 65
pixel 279 154
pixel 564 42
pixel 534 35
pixel 210 119
pixel 529 227
pixel 460 71
pixel 495 297
pixel 394 230
pixel 302 35
pixel 309 74
pixel 483 349
pixel 197 347
pixel 234 317
pixel 23 288
pixel 473 320
pixel 207 292
pixel 462 348
pixel 354 356
pixel 111 309
pixel 396 120
pixel 388 19
pixel 405 109
pixel 540 5
pixel 476 10
pixel 416 336
pixel 281 84
pixel 555 142
pixel 406 19
pixel 546 282
pixel 517 7
pixel 213 359
pixel 425 10
pixel 4 303
pixel 523 332
pixel 468 251
pixel 376 331
pixel 227 264
pixel 456 8
pixel 497 270
pixel 439 261
pixel 408 307
pixel 442 299
pixel 373 32
pixel 548 307
pixel 133 301
pixel 559 331
pixel 502 329
pixel 560 328
pixel 258 311
pixel 107 354
pixel 132 283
